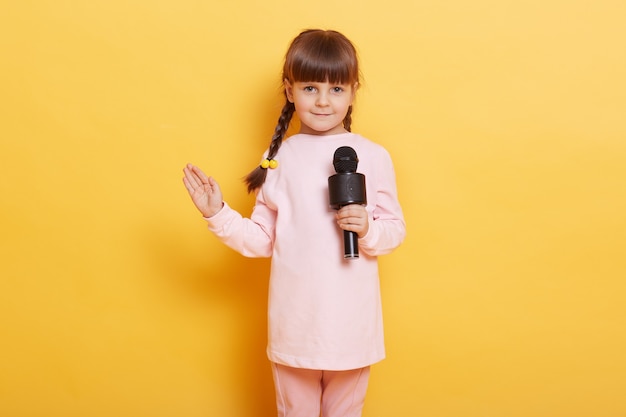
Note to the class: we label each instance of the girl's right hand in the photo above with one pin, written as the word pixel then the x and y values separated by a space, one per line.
pixel 204 191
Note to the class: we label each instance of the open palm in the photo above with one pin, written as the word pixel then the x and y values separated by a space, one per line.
pixel 204 191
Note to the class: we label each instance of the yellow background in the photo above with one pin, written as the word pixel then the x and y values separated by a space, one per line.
pixel 506 122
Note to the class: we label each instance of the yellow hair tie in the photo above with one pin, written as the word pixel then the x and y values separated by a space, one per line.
pixel 269 163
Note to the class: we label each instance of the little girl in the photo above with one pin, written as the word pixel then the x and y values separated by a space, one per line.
pixel 325 316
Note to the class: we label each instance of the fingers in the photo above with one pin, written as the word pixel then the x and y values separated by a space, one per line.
pixel 215 187
pixel 188 185
pixel 191 178
pixel 201 175
pixel 354 218
pixel 352 211
pixel 194 177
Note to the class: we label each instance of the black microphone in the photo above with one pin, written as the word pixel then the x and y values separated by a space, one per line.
pixel 347 187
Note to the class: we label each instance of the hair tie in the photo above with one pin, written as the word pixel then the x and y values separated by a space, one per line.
pixel 269 163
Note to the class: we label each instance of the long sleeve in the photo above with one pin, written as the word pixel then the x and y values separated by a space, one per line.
pixel 387 228
pixel 253 238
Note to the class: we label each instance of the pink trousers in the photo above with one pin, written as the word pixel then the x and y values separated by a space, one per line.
pixel 307 392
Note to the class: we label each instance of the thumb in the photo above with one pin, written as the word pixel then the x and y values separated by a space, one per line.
pixel 213 184
pixel 215 187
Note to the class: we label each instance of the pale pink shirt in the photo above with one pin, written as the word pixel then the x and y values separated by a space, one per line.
pixel 324 312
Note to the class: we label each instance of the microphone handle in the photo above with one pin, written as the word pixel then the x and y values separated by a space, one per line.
pixel 350 245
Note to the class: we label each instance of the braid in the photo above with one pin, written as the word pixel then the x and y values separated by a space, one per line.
pixel 256 178
pixel 281 128
pixel 347 121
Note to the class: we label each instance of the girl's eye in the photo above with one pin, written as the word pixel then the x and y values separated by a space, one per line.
pixel 309 89
pixel 337 89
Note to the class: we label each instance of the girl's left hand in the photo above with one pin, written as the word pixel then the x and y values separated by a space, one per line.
pixel 354 218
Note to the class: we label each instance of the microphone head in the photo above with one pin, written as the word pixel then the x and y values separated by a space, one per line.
pixel 345 160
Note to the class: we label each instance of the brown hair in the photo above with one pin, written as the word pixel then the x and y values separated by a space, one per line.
pixel 318 56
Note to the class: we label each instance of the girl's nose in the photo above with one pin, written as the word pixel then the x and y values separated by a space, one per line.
pixel 322 99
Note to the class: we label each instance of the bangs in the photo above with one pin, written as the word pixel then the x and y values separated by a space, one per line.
pixel 323 60
pixel 329 69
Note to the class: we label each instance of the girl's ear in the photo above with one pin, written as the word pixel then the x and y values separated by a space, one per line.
pixel 288 90
pixel 354 88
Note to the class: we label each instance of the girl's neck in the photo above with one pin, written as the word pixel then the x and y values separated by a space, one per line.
pixel 305 130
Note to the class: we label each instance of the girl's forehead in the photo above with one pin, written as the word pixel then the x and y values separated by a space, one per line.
pixel 323 82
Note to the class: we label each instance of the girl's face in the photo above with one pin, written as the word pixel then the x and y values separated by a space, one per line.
pixel 321 106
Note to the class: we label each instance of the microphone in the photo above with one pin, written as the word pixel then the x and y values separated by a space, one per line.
pixel 347 187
